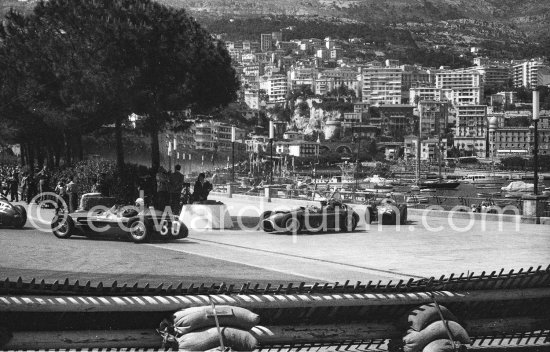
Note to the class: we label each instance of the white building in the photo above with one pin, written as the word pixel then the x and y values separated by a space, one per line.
pixel 450 79
pixel 303 148
pixel 381 85
pixel 528 74
pixel 275 86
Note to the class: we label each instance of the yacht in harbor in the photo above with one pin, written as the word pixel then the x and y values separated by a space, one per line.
pixel 484 179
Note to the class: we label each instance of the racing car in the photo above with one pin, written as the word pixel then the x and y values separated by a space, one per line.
pixel 332 214
pixel 386 212
pixel 11 215
pixel 138 226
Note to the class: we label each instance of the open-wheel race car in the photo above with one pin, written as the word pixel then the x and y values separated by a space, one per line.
pixel 387 212
pixel 331 215
pixel 138 225
pixel 12 215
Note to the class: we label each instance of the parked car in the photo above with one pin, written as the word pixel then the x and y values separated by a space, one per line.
pixel 386 211
pixel 138 226
pixel 12 215
pixel 331 215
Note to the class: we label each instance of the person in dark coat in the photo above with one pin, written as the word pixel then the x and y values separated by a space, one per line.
pixel 202 189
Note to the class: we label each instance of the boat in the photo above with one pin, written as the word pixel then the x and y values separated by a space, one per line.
pixel 519 186
pixel 428 190
pixel 416 200
pixel 439 184
pixel 483 179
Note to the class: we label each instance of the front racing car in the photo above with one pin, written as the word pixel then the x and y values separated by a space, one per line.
pixel 138 225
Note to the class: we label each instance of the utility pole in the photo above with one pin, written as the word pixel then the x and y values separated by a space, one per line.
pixel 536 140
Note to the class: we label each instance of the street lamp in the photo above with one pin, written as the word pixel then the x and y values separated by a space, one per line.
pixel 536 141
pixel 271 137
pixel 233 136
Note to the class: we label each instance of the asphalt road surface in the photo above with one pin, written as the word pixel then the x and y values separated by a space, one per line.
pixel 234 256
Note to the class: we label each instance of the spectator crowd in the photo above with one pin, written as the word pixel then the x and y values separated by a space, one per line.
pixel 164 189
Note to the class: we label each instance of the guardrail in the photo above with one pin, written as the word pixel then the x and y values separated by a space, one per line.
pixel 497 309
pixel 511 205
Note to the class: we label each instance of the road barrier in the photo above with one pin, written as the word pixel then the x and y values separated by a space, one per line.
pixel 497 309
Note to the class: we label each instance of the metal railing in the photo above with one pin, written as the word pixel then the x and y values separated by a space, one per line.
pixel 512 206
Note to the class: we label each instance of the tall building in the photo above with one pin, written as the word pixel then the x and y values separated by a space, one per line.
pixel 275 87
pixel 526 74
pixel 434 118
pixel 463 95
pixel 381 85
pixel 471 128
pixel 396 120
pixel 450 79
pixel 424 93
pixel 266 41
pixel 494 76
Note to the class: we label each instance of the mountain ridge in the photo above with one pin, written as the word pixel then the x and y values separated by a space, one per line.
pixel 531 17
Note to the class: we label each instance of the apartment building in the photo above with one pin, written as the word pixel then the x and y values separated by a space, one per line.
pixel 381 85
pixel 434 117
pixel 215 136
pixel 518 141
pixel 303 148
pixel 530 74
pixel 275 87
pixel 494 76
pixel 396 120
pixel 429 148
pixel 425 93
pixel 266 41
pixel 463 95
pixel 451 79
pixel 471 128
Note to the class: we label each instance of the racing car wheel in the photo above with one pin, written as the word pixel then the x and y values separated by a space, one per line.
pixel 63 226
pixel 140 231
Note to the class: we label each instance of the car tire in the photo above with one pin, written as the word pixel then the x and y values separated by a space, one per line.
pixel 345 225
pixel 23 219
pixel 140 231
pixel 63 226
pixel 292 225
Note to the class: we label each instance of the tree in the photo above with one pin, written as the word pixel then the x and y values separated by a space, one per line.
pixel 79 59
pixel 182 68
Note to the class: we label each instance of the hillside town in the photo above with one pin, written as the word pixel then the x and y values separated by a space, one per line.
pixel 321 101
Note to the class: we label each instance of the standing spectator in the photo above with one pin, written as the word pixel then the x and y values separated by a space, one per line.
pixel 176 185
pixel 163 193
pixel 43 178
pixel 24 185
pixel 73 190
pixel 101 186
pixel 13 185
pixel 61 191
pixel 31 188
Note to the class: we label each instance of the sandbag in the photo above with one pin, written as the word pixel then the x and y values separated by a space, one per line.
pixel 415 341
pixel 426 314
pixel 443 346
pixel 191 319
pixel 208 339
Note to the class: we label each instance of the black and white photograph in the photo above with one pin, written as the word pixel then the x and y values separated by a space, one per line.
pixel 275 175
